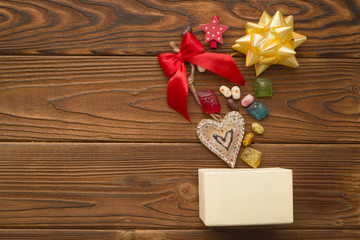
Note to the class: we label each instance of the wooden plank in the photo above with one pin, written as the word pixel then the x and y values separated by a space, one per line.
pixel 124 99
pixel 144 185
pixel 140 234
pixel 146 27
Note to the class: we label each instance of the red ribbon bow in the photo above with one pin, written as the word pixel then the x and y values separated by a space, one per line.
pixel 191 50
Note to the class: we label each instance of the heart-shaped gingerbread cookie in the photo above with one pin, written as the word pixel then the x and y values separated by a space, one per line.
pixel 223 138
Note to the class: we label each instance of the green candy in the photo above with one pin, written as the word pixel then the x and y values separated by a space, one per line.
pixel 263 87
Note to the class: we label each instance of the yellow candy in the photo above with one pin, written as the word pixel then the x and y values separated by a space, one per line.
pixel 257 128
pixel 248 139
pixel 251 156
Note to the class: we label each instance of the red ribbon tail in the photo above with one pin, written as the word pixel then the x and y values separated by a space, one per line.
pixel 177 92
pixel 221 64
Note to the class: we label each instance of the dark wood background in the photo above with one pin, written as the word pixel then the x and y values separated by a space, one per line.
pixel 89 148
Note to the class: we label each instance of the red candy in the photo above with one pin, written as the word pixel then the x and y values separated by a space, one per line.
pixel 209 102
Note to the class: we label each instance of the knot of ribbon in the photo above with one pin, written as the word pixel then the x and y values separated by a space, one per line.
pixel 180 57
pixel 192 50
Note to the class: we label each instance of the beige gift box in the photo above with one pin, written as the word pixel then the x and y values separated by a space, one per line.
pixel 236 197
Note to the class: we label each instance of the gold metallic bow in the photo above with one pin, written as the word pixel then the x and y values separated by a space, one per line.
pixel 271 41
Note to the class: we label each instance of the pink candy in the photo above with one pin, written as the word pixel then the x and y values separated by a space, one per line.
pixel 247 100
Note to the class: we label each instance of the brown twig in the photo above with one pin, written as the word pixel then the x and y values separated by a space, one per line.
pixel 191 80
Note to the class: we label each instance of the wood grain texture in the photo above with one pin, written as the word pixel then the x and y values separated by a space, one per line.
pixel 113 27
pixel 132 186
pixel 142 184
pixel 212 234
pixel 124 99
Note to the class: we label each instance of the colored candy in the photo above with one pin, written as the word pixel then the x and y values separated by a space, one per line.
pixel 251 156
pixel 225 91
pixel 263 87
pixel 209 102
pixel 248 139
pixel 258 110
pixel 257 128
pixel 235 92
pixel 232 104
pixel 200 69
pixel 247 100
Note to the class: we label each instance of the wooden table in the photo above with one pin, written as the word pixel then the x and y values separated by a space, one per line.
pixel 90 150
